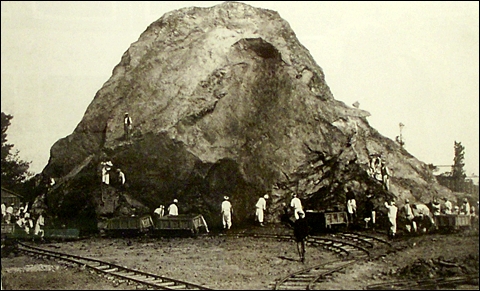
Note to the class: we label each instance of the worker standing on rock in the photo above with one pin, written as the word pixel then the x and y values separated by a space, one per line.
pixel 121 179
pixel 127 126
pixel 106 167
pixel 385 176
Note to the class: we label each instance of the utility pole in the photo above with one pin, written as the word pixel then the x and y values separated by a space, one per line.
pixel 399 138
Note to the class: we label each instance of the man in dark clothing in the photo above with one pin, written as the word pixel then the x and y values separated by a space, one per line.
pixel 301 231
pixel 351 205
pixel 285 216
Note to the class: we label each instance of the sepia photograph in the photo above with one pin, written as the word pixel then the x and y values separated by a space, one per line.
pixel 240 145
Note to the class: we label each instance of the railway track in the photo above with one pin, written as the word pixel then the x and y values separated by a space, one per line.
pixel 351 246
pixel 142 279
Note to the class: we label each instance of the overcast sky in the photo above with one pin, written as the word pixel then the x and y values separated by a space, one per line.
pixel 409 62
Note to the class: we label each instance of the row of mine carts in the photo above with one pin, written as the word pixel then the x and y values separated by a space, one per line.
pixel 453 222
pixel 336 220
pixel 178 225
pixel 12 230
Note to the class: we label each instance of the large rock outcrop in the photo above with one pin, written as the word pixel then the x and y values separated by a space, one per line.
pixel 224 101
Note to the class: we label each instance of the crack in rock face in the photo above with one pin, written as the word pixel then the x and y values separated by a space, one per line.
pixel 224 101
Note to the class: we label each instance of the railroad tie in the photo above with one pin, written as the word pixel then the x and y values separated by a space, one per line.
pixel 165 284
pixel 178 287
pixel 103 267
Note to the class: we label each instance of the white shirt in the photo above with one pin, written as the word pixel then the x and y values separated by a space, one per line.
pixel 421 209
pixel 392 210
pixel 296 203
pixel 9 210
pixel 351 206
pixel 172 209
pixel 448 207
pixel 226 206
pixel 160 210
pixel 127 121
pixel 261 203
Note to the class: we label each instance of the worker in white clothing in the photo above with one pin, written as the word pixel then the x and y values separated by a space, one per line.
pixel 173 208
pixel 296 204
pixel 392 218
pixel 261 206
pixel 226 213
pixel 160 211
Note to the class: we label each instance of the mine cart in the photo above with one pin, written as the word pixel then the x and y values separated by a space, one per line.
pixel 126 226
pixel 448 222
pixel 326 220
pixel 182 224
pixel 8 230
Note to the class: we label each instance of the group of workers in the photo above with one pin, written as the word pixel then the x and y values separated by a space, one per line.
pixel 107 167
pixel 23 219
pixel 172 209
pixel 419 217
pixel 378 170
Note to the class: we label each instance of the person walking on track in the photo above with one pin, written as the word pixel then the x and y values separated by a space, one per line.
pixel 301 231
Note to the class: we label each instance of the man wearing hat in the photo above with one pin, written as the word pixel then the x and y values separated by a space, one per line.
pixel 301 230
pixel 226 213
pixel 127 125
pixel 296 204
pixel 173 209
pixel 407 216
pixel 392 217
pixel 261 206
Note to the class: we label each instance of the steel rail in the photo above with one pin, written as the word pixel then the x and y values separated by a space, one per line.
pixel 143 278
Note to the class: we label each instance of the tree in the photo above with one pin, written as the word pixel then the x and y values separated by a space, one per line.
pixel 14 170
pixel 458 173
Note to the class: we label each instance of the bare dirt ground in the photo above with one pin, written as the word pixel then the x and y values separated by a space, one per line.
pixel 221 262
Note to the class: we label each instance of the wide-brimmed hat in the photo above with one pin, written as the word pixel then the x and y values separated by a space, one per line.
pixel 407 201
pixel 266 196
pixel 175 201
pixel 225 197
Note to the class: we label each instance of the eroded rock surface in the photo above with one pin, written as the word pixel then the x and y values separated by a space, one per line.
pixel 224 101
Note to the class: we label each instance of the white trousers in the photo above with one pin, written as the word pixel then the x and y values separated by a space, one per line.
pixel 227 220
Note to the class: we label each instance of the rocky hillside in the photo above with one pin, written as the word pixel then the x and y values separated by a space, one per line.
pixel 224 101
